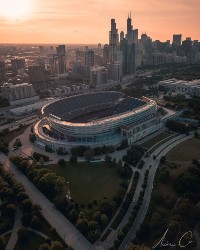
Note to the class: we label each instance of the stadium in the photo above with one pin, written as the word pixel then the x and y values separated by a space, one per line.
pixel 96 119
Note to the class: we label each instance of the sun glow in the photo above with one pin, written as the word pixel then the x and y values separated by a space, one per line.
pixel 15 9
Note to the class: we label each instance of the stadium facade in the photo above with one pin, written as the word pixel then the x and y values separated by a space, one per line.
pixel 96 119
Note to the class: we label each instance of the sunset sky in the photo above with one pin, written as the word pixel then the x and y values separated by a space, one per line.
pixel 88 21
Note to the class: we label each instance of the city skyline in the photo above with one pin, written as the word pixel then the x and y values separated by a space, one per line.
pixel 88 22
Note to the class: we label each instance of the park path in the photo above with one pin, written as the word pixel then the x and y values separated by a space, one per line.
pixel 17 225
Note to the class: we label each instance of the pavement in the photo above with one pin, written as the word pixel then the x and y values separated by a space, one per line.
pixel 56 219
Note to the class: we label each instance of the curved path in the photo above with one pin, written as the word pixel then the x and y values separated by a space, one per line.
pixel 64 228
pixel 159 152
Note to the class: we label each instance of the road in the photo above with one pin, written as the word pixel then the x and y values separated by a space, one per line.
pixel 159 152
pixel 63 227
pixel 15 125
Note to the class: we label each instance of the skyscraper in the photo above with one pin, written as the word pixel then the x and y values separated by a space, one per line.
pixel 131 47
pixel 2 71
pixel 113 40
pixel 18 66
pixel 59 60
pixel 121 35
pixel 89 58
pixel 177 39
pixel 106 54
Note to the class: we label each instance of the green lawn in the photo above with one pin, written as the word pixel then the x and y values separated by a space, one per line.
pixel 11 135
pixel 89 182
pixel 33 242
pixel 156 139
pixel 186 151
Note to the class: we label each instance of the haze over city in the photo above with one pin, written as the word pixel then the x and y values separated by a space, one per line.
pixel 87 21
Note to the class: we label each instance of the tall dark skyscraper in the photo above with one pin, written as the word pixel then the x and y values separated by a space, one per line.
pixel 106 54
pixel 177 39
pixel 60 60
pixel 113 40
pixel 129 48
pixel 121 35
pixel 2 72
pixel 89 58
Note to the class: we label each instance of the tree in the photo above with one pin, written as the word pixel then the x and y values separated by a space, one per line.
pixel 81 215
pixel 124 144
pixel 10 210
pixel 26 219
pixel 73 159
pixel 93 235
pixel 93 225
pixel 162 159
pixel 26 205
pixel 97 216
pixel 17 143
pixel 82 225
pixel 61 162
pixel 73 215
pixel 2 243
pixel 23 234
pixel 41 161
pixel 56 245
pixel 88 154
pixel 36 222
pixel 108 159
pixel 104 220
pixel 44 246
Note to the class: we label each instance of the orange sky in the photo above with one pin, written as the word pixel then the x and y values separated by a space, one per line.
pixel 88 21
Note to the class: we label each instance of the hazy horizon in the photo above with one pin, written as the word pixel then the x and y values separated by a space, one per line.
pixel 88 21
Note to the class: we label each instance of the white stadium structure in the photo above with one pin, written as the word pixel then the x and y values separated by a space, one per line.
pixel 96 119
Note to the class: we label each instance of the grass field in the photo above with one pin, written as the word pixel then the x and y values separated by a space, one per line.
pixel 11 135
pixel 154 140
pixel 89 182
pixel 186 151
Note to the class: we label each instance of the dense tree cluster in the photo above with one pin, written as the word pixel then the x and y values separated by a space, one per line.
pixel 133 155
pixel 79 151
pixel 38 156
pixel 4 147
pixel 48 182
pixel 178 127
pixel 13 194
pixel 17 143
